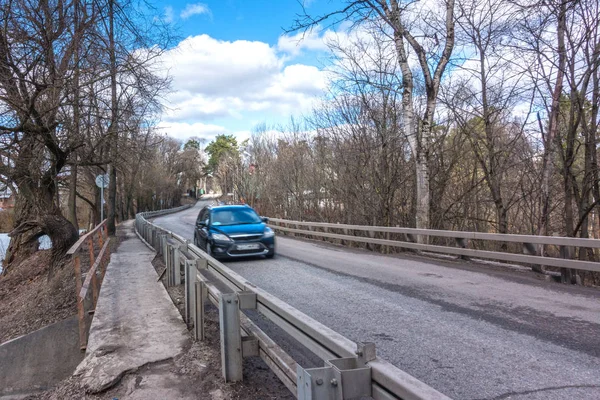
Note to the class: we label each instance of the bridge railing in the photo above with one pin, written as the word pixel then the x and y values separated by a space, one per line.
pixel 89 275
pixel 351 370
pixel 531 244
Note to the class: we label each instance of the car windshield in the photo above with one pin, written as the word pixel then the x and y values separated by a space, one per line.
pixel 234 217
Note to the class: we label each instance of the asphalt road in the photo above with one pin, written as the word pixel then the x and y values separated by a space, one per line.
pixel 470 331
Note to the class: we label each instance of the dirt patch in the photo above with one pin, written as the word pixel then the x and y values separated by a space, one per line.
pixel 30 299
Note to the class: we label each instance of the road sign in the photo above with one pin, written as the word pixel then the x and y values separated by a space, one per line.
pixel 102 181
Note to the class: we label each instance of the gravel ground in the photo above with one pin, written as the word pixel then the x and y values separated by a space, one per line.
pixel 471 331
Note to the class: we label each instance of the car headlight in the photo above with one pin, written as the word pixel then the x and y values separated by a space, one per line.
pixel 221 237
pixel 269 233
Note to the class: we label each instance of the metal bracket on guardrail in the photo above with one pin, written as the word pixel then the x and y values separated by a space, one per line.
pixel 249 346
pixel 340 379
pixel 247 300
pixel 201 263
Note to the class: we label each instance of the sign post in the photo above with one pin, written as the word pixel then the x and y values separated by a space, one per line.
pixel 102 182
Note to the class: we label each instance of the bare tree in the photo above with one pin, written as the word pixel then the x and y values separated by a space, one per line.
pixel 37 47
pixel 430 36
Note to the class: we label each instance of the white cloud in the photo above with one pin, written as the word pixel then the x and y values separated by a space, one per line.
pixel 313 40
pixel 194 9
pixel 184 130
pixel 214 79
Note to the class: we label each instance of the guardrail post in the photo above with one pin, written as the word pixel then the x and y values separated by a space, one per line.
pixel 411 238
pixel 95 287
pixel 387 247
pixel 190 287
pixel 80 306
pixel 201 296
pixel 165 250
pixel 170 261
pixel 532 249
pixel 100 238
pixel 462 243
pixel 177 264
pixel 159 241
pixel 86 305
pixel 231 339
pixel 371 246
pixel 568 275
pixel 91 250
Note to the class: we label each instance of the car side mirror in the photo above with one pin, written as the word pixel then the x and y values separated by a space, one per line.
pixel 264 219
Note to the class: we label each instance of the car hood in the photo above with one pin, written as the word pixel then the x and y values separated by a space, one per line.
pixel 240 229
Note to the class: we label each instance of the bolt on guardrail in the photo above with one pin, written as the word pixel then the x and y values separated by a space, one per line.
pixel 350 370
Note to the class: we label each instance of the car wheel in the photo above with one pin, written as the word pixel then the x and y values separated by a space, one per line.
pixel 208 249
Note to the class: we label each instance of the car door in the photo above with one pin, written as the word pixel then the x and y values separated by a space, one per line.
pixel 197 228
pixel 202 228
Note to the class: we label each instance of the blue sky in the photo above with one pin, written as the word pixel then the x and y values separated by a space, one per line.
pixel 235 67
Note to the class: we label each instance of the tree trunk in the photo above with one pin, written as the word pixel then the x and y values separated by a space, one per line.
pixel 112 201
pixel 73 197
pixel 113 134
pixel 36 213
pixel 76 127
pixel 422 216
pixel 547 159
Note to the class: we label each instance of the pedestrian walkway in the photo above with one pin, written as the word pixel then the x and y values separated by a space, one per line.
pixel 135 323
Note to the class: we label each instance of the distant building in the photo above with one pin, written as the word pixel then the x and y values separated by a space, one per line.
pixel 7 199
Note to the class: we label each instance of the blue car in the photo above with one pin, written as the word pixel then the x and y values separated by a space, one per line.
pixel 233 231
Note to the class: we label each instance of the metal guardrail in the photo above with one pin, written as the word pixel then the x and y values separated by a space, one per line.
pixel 530 243
pixel 88 282
pixel 350 369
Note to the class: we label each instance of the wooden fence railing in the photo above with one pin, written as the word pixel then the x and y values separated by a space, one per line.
pixel 89 274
